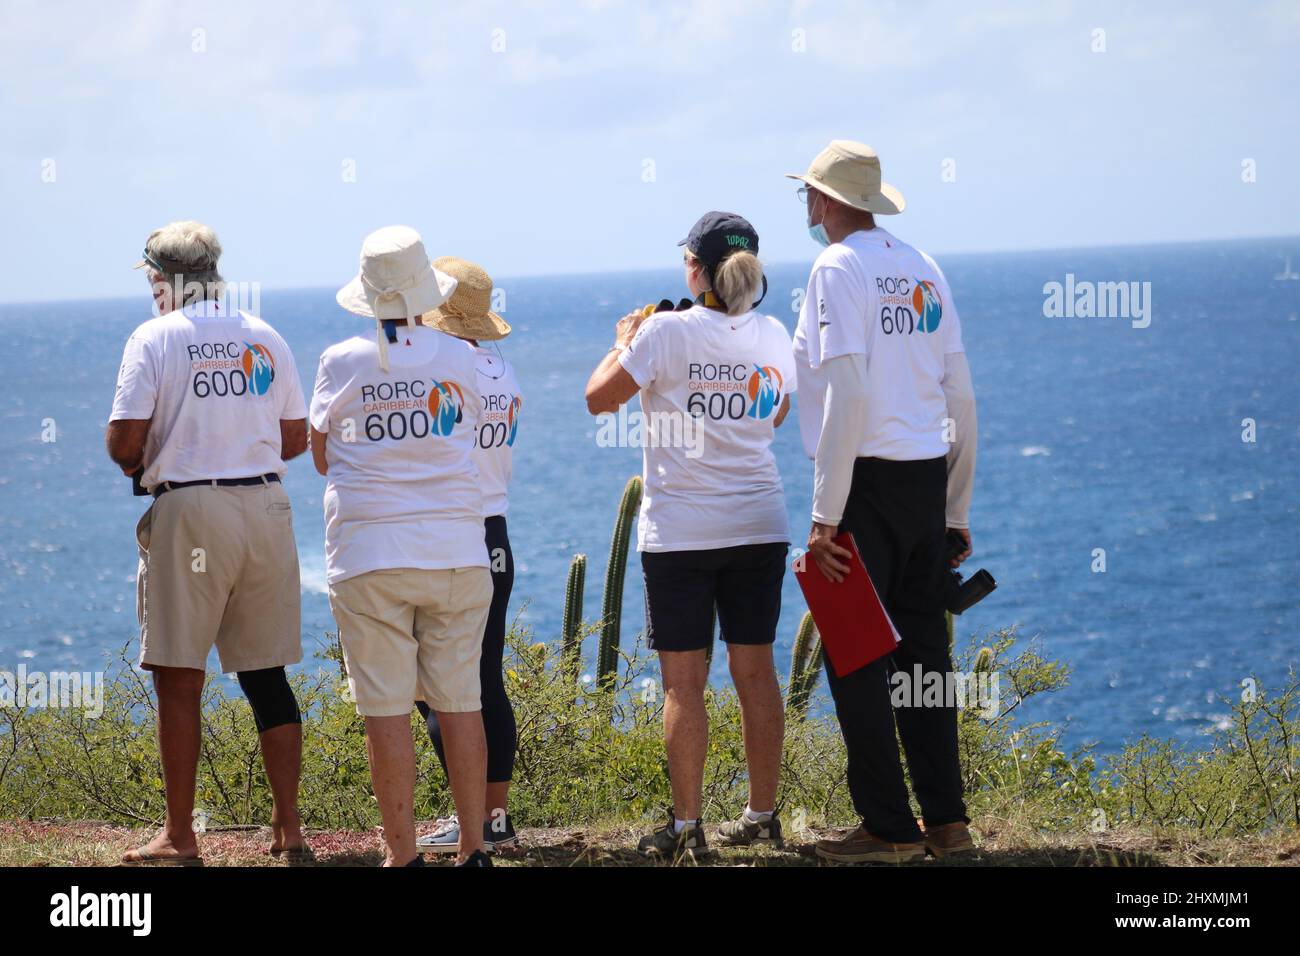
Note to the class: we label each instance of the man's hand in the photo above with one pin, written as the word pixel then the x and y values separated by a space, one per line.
pixel 830 557
pixel 125 439
pixel 965 533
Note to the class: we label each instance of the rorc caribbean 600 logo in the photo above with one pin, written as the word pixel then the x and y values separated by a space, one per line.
pixel 928 305
pixel 446 406
pixel 259 367
pixel 764 388
pixel 220 369
pixel 722 390
pixel 512 420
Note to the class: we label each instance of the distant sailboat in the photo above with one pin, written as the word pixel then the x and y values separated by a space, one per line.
pixel 1288 273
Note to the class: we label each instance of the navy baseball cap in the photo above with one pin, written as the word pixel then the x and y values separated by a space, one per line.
pixel 718 233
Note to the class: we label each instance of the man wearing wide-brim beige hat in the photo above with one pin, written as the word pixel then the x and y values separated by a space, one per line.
pixel 849 173
pixel 887 413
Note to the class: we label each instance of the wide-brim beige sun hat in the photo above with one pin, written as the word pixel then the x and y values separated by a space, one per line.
pixel 467 313
pixel 396 280
pixel 849 172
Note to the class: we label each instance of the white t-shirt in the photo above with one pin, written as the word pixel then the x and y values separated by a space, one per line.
pixel 216 385
pixel 495 439
pixel 403 491
pixel 877 296
pixel 711 387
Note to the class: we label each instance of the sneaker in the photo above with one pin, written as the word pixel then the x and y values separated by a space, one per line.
pixel 499 839
pixel 743 833
pixel 444 838
pixel 664 843
pixel 948 839
pixel 859 846
pixel 477 858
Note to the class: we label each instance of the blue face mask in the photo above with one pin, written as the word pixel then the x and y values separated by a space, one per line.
pixel 818 232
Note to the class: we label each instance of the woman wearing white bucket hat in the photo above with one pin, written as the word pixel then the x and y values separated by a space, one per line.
pixel 393 423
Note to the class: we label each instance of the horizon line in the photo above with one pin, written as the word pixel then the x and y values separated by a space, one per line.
pixel 1087 247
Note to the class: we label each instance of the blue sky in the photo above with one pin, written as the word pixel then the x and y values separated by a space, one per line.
pixel 521 135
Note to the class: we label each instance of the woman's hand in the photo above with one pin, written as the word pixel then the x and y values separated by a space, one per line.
pixel 627 328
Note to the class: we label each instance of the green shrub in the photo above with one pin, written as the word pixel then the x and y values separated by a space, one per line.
pixel 578 766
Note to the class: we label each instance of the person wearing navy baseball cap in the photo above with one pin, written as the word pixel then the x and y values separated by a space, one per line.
pixel 714 377
pixel 714 237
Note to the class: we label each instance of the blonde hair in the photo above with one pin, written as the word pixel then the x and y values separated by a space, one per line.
pixel 738 281
pixel 195 246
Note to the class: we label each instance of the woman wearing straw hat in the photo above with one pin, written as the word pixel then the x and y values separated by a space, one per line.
pixel 712 531
pixel 393 421
pixel 467 315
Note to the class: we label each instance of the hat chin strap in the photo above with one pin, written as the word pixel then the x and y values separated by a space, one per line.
pixel 386 329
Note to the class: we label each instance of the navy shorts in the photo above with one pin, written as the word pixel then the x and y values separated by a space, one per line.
pixel 682 589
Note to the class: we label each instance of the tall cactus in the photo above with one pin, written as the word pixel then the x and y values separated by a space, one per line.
pixel 571 646
pixel 805 667
pixel 611 612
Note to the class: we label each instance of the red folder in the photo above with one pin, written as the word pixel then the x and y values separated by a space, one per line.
pixel 854 628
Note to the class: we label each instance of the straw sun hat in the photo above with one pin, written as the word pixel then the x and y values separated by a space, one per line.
pixel 467 313
pixel 850 172
pixel 396 281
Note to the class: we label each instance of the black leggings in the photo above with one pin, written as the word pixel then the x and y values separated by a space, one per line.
pixel 271 698
pixel 498 715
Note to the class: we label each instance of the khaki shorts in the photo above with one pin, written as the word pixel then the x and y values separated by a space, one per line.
pixel 409 633
pixel 219 566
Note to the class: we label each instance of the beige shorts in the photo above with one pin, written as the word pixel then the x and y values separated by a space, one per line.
pixel 411 634
pixel 219 566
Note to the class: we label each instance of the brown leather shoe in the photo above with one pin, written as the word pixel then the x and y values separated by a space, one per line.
pixel 948 839
pixel 859 846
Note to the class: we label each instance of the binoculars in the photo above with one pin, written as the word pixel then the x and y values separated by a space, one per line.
pixel 666 305
pixel 960 595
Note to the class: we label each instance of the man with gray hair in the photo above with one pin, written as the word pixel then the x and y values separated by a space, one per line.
pixel 208 410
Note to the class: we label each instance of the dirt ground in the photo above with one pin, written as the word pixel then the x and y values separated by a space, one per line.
pixel 999 843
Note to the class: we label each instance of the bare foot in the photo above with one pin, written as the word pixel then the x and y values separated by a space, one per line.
pixel 163 848
pixel 288 838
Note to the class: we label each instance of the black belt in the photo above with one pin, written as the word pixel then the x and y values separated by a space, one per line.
pixel 163 487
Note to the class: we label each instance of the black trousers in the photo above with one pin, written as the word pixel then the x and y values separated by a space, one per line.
pixel 895 512
pixel 498 715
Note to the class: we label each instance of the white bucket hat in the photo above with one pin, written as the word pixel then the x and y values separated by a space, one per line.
pixel 850 173
pixel 396 281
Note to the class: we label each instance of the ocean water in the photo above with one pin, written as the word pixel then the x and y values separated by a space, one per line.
pixel 1093 435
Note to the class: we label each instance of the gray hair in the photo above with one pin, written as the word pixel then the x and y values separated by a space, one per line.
pixel 184 256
